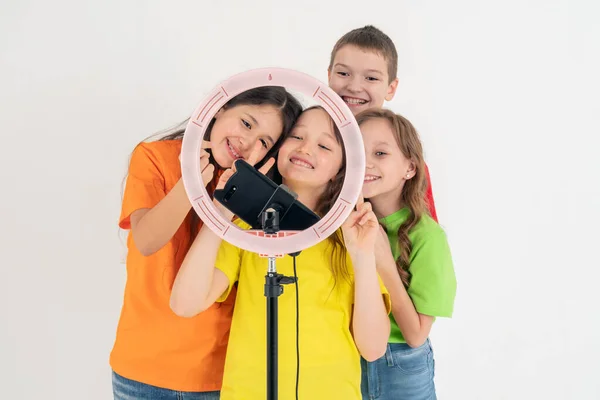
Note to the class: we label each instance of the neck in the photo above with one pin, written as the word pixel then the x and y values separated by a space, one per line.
pixel 388 203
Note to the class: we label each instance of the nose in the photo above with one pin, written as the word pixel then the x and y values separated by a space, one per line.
pixel 355 84
pixel 305 147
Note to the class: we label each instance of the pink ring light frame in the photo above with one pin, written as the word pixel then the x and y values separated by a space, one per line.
pixel 255 240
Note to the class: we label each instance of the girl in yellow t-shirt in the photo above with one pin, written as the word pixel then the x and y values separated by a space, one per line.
pixel 343 313
pixel 157 354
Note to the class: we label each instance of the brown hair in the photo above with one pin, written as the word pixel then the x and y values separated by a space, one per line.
pixel 370 38
pixel 413 193
pixel 327 199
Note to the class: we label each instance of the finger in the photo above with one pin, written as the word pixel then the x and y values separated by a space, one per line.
pixel 224 178
pixel 255 154
pixel 351 220
pixel 360 200
pixel 205 144
pixel 208 174
pixel 268 165
pixel 363 215
pixel 204 161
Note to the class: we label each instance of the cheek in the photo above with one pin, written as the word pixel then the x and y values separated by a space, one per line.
pixel 335 82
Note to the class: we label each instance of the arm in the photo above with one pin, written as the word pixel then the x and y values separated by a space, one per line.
pixel 198 283
pixel 415 327
pixel 370 322
pixel 152 228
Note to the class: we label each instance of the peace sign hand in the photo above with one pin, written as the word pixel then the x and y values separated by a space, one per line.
pixel 361 229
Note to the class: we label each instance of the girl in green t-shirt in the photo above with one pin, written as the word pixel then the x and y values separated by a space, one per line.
pixel 412 256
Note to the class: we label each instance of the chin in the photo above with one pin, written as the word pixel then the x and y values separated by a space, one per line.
pixel 223 161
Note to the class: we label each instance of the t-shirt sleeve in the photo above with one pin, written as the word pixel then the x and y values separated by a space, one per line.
pixel 386 295
pixel 387 300
pixel 433 281
pixel 145 184
pixel 229 261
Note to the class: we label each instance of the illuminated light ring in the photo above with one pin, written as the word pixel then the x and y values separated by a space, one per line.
pixel 255 240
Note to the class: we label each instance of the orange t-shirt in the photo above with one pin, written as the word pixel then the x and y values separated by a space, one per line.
pixel 153 345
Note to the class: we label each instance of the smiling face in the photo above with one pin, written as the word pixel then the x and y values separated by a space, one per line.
pixel 238 128
pixel 387 167
pixel 360 77
pixel 311 156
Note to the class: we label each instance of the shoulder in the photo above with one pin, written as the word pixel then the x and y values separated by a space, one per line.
pixel 159 157
pixel 427 230
pixel 160 149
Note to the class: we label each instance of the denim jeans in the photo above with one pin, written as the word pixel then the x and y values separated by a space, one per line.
pixel 403 373
pixel 126 389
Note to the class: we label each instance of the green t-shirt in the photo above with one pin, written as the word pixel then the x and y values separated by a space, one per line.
pixel 433 283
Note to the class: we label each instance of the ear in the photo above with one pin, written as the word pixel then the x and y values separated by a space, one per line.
pixel 328 75
pixel 391 92
pixel 411 171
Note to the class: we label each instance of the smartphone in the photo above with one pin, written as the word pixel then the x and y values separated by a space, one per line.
pixel 248 193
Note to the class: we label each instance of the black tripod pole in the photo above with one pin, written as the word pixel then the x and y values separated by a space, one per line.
pixel 273 290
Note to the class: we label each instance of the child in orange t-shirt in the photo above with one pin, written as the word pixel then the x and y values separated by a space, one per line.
pixel 157 354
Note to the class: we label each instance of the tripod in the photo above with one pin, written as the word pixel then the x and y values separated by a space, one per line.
pixel 273 289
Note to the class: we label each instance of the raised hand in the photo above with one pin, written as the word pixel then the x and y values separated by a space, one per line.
pixel 252 160
pixel 361 229
pixel 206 168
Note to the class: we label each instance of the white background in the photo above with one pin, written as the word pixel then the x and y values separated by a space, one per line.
pixel 504 94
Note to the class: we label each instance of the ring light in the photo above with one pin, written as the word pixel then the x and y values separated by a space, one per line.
pixel 255 240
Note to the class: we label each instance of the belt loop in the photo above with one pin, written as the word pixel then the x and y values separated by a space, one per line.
pixel 388 356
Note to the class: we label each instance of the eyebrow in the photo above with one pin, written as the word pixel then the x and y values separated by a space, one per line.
pixel 369 70
pixel 253 119
pixel 381 142
pixel 328 134
pixel 270 139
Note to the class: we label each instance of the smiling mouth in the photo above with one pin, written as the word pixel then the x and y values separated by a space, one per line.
pixel 371 178
pixel 353 101
pixel 301 163
pixel 233 152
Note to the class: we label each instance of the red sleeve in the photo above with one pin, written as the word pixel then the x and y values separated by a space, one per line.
pixel 429 196
pixel 145 185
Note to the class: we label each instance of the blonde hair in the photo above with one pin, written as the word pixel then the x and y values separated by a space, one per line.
pixel 413 193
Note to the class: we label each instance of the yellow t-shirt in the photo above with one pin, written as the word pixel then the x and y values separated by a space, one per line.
pixel 329 359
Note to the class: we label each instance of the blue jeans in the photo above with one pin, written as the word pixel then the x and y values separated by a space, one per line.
pixel 126 389
pixel 403 373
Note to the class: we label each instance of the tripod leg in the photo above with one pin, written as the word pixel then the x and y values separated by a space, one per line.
pixel 272 344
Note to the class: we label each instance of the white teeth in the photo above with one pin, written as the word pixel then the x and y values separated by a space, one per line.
pixel 354 101
pixel 371 178
pixel 235 153
pixel 301 163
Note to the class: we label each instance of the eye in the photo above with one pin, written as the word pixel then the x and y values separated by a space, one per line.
pixel 380 153
pixel 372 79
pixel 295 137
pixel 246 124
pixel 324 147
pixel 264 143
pixel 341 73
